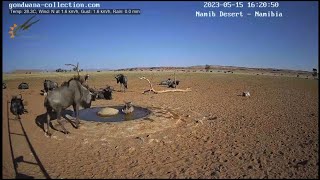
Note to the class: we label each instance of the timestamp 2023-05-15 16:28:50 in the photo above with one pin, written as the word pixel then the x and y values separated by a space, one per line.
pixel 245 9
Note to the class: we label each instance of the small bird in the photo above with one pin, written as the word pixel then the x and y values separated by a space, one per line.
pixel 128 108
pixel 17 107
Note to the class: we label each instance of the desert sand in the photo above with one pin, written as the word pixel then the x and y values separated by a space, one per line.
pixel 210 132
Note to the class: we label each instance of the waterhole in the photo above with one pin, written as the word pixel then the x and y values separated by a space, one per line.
pixel 91 114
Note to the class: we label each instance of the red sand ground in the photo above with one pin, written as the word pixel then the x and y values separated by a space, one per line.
pixel 271 134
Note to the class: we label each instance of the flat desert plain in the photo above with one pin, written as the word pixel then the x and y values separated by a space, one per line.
pixel 210 132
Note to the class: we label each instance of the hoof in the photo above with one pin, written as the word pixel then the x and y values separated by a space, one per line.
pixel 77 125
pixel 66 132
pixel 48 134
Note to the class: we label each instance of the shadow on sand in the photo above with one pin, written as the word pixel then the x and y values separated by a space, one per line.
pixel 41 120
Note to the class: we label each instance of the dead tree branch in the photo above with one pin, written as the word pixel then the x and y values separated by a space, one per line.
pixel 76 67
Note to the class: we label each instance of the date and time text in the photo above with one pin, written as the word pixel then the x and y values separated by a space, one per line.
pixel 237 9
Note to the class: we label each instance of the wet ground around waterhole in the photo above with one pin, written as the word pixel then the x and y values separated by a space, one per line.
pixel 91 114
pixel 143 120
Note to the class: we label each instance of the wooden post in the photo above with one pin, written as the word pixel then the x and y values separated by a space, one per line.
pixel 78 69
pixel 175 85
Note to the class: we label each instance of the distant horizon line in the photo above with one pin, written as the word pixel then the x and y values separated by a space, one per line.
pixel 158 67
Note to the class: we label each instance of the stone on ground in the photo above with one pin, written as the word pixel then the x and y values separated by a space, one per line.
pixel 108 112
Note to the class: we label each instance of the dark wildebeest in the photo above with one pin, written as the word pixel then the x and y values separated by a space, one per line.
pixel 127 108
pixel 93 94
pixel 49 85
pixel 97 95
pixel 17 107
pixel 23 86
pixel 74 93
pixel 105 93
pixel 4 86
pixel 123 80
pixel 164 82
pixel 173 84
pixel 170 83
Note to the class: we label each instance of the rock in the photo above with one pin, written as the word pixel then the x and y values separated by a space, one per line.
pixel 131 149
pixel 246 94
pixel 108 112
pixel 140 138
pixel 212 118
pixel 199 121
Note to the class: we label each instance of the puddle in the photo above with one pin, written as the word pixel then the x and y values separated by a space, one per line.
pixel 90 114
